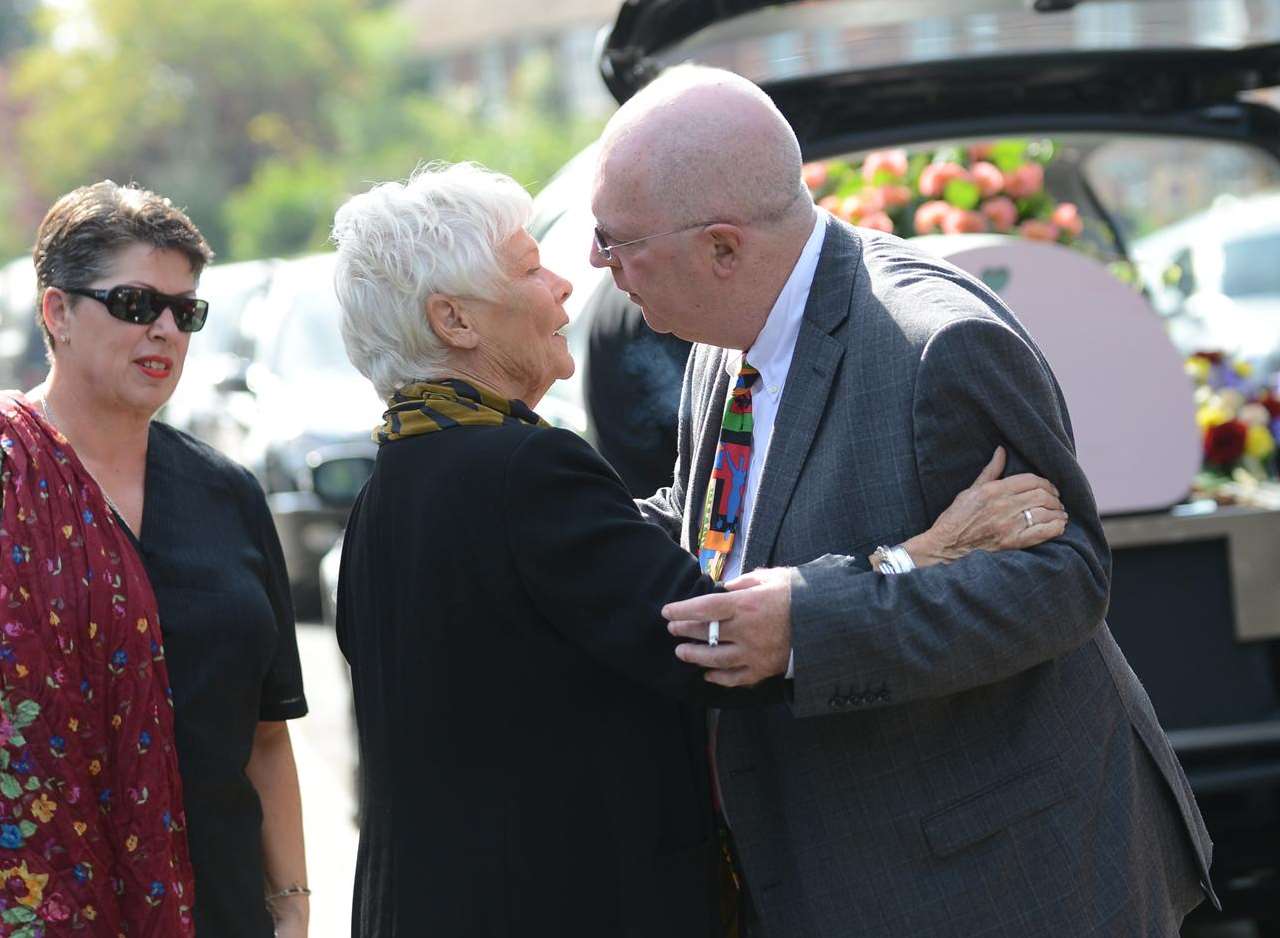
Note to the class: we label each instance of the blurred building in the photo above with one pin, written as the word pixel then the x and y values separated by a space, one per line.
pixel 484 45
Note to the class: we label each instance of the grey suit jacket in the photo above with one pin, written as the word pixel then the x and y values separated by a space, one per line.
pixel 965 751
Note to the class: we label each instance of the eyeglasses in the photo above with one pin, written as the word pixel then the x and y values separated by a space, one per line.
pixel 143 306
pixel 605 249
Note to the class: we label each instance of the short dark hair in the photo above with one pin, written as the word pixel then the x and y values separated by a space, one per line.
pixel 89 226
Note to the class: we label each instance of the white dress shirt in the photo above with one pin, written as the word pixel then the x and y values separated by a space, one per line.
pixel 771 356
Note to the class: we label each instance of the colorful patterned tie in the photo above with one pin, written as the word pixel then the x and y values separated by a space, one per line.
pixel 722 511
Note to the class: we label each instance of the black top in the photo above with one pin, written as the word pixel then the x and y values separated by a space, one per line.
pixel 631 384
pixel 529 764
pixel 215 564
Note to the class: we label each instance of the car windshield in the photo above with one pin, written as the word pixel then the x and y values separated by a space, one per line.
pixel 309 342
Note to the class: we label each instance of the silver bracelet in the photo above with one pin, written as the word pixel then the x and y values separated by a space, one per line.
pixel 893 560
pixel 291 890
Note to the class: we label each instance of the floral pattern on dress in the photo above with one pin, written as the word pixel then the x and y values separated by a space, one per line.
pixel 92 830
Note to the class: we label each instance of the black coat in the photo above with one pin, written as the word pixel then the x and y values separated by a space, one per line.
pixel 530 763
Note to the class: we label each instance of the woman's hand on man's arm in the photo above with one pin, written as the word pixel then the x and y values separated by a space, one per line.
pixel 992 514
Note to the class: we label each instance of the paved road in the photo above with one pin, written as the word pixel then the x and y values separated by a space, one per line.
pixel 324 748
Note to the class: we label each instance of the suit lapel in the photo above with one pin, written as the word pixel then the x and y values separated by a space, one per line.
pixel 809 382
pixel 705 440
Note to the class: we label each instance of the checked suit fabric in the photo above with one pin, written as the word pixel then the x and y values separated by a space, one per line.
pixel 722 511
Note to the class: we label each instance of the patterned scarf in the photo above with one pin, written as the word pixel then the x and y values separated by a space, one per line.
pixel 427 407
pixel 92 830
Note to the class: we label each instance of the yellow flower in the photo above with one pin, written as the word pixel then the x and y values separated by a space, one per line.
pixel 95 767
pixel 1210 415
pixel 44 808
pixel 1198 369
pixel 80 827
pixel 116 721
pixel 132 843
pixel 93 629
pixel 66 531
pixel 89 912
pixel 53 619
pixel 1259 443
pixel 142 625
pixel 35 883
pixel 1244 369
pixel 21 669
pixel 73 724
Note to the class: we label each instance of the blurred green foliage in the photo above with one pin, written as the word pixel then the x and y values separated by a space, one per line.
pixel 258 117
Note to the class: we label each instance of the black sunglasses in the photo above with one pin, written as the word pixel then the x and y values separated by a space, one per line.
pixel 143 306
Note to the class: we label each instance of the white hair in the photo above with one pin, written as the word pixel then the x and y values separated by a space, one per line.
pixel 399 243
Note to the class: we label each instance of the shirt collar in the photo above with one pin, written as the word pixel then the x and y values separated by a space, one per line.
pixel 771 353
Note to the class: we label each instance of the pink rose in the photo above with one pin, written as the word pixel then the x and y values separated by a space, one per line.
pixel 1067 217
pixel 815 175
pixel 878 220
pixel 989 179
pixel 894 161
pixel 1035 230
pixel 1026 180
pixel 958 221
pixel 935 176
pixel 980 151
pixel 895 196
pixel 929 216
pixel 1001 212
pixel 870 200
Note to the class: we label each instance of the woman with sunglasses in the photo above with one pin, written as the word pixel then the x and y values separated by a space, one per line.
pixel 139 565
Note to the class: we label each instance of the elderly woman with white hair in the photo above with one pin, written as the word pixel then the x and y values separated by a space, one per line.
pixel 534 757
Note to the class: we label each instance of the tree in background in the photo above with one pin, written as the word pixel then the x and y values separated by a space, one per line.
pixel 258 117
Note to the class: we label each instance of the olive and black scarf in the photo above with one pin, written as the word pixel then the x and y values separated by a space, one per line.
pixel 427 407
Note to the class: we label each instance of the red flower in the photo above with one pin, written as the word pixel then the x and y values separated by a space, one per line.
pixel 1224 444
pixel 1213 358
pixel 1271 403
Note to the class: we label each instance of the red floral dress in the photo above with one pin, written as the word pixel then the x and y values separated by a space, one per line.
pixel 92 831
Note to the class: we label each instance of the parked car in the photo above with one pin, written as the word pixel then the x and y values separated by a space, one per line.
pixel 267 382
pixel 22 351
pixel 1216 277
pixel 1152 113
pixel 212 401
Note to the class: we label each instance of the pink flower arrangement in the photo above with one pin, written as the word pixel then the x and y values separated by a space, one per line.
pixel 997 186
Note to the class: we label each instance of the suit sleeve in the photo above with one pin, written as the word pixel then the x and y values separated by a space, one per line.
pixel 593 567
pixel 872 641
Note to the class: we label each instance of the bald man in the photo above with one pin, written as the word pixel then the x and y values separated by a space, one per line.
pixel 964 750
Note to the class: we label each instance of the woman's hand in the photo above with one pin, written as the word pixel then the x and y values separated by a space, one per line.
pixel 989 515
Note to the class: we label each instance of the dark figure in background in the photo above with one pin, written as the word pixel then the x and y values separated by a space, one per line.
pixel 632 390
